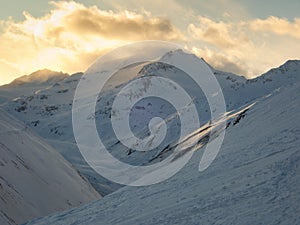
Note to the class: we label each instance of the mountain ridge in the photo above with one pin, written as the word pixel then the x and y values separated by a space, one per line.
pixel 51 76
pixel 48 110
pixel 39 77
pixel 254 178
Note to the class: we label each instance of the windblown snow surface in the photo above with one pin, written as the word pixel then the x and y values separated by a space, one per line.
pixel 254 179
pixel 48 111
pixel 35 180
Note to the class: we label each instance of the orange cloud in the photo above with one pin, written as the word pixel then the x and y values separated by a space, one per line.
pixel 280 26
pixel 222 61
pixel 71 36
pixel 216 33
pixel 246 47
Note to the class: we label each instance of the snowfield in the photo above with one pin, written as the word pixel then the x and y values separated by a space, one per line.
pixel 48 111
pixel 35 180
pixel 254 179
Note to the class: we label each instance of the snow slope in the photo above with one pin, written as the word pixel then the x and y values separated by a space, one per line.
pixel 48 110
pixel 255 178
pixel 35 180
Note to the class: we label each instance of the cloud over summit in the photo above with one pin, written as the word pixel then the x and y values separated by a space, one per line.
pixel 71 35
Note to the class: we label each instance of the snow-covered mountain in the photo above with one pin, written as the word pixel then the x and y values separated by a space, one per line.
pixel 48 110
pixel 28 84
pixel 39 77
pixel 255 178
pixel 35 180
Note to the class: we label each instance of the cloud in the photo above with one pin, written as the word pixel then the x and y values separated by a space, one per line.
pixel 248 47
pixel 71 36
pixel 123 25
pixel 280 26
pixel 221 61
pixel 221 34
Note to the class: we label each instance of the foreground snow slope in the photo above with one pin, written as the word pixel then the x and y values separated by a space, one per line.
pixel 35 180
pixel 255 178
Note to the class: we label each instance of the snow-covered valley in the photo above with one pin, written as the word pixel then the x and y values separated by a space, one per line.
pixel 254 179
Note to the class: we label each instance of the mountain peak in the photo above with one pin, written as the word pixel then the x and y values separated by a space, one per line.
pixel 177 53
pixel 291 68
pixel 290 64
pixel 39 77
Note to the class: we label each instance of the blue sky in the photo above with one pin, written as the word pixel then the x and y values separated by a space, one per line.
pixel 231 35
pixel 256 8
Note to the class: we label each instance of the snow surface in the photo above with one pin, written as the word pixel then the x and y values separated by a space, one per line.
pixel 254 180
pixel 35 180
pixel 48 110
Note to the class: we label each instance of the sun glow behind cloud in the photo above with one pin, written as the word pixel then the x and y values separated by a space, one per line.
pixel 71 36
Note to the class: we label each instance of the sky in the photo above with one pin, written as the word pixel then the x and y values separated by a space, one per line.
pixel 246 37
